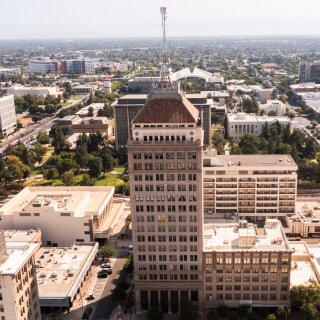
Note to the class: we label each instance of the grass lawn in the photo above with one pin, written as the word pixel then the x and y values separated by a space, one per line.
pixel 75 98
pixel 108 179
pixel 119 169
pixel 66 104
pixel 36 171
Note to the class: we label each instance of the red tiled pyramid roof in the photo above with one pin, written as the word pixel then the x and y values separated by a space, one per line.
pixel 167 111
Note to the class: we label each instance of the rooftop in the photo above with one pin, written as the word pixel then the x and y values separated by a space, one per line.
pixel 18 253
pixel 22 235
pixel 245 237
pixel 82 201
pixel 253 160
pixel 61 270
pixel 251 117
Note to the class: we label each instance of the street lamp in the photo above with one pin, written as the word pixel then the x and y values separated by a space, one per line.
pixel 81 302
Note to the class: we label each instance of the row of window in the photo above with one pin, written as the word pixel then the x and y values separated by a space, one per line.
pixel 164 229
pixel 170 276
pixel 171 257
pixel 272 278
pixel 159 198
pixel 169 218
pixel 265 259
pixel 161 187
pixel 170 208
pixel 160 155
pixel 169 177
pixel 164 267
pixel 254 296
pixel 246 269
pixel 238 287
pixel 161 238
pixel 168 166
pixel 164 138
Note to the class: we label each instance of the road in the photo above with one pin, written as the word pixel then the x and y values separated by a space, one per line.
pixel 298 121
pixel 41 126
pixel 106 305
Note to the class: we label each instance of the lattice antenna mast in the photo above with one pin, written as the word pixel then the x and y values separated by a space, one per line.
pixel 164 68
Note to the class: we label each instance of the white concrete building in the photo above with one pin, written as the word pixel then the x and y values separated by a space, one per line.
pixel 8 121
pixel 18 283
pixel 10 71
pixel 84 112
pixel 272 105
pixel 62 271
pixel 43 66
pixel 241 123
pixel 64 214
pixel 253 187
pixel 42 92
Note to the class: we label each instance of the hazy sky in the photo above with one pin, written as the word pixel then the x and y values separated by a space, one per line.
pixel 141 18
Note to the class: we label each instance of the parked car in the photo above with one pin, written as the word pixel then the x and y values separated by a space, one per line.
pixel 91 297
pixel 106 265
pixel 102 275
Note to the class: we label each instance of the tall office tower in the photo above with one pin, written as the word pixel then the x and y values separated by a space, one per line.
pixel 165 168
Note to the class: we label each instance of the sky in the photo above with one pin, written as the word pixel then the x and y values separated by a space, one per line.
pixel 44 19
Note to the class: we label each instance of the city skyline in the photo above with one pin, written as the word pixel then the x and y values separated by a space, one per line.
pixel 141 19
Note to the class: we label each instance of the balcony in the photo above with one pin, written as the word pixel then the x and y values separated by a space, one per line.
pixel 267 192
pixel 269 186
pixel 266 205
pixel 226 199
pixel 226 192
pixel 226 186
pixel 267 198
pixel 226 205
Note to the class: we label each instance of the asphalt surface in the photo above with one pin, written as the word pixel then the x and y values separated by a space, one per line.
pixel 106 305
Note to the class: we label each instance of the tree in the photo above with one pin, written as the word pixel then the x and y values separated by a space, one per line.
pixel 107 159
pixel 82 155
pixel 60 142
pixel 68 178
pixel 242 311
pixel 283 98
pixel 252 316
pixel 232 315
pixel 95 166
pixel 90 112
pixel 189 311
pixel 155 313
pixel 281 312
pixel 218 142
pixel 272 113
pixel 314 123
pixel 118 294
pixel 215 119
pixel 271 316
pixel 87 181
pixel 107 252
pixel 40 151
pixel 42 137
pixel 66 95
pixel 19 124
pixel 128 265
pixel 66 164
pixel 249 144
pixel 283 148
pixel 212 314
pixel 122 188
pixel 16 168
pixel 51 174
pixel 223 310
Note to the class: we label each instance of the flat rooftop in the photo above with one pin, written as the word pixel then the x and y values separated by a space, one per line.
pixel 240 117
pixel 22 235
pixel 18 253
pixel 307 211
pixel 264 161
pixel 233 238
pixel 61 270
pixel 82 201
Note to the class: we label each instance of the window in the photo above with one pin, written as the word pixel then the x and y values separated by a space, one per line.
pixel 65 214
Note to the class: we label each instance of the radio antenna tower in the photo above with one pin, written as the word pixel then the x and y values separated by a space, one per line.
pixel 164 74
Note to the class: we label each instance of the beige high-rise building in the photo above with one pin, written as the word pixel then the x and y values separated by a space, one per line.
pixel 165 169
pixel 19 298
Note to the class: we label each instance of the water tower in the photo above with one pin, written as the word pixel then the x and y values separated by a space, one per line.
pixel 107 85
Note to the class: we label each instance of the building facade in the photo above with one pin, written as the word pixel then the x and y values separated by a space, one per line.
pixel 246 265
pixel 241 123
pixel 165 167
pixel 309 71
pixel 41 92
pixel 8 120
pixel 43 66
pixel 77 66
pixel 252 187
pixel 64 214
pixel 10 71
pixel 272 105
pixel 128 106
pixel 19 290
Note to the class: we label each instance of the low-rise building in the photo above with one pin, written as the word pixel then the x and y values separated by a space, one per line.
pixel 64 214
pixel 41 92
pixel 69 120
pixel 246 265
pixel 8 119
pixel 19 290
pixel 272 105
pixel 253 187
pixel 10 71
pixel 62 271
pixel 92 125
pixel 43 66
pixel 84 112
pixel 83 89
pixel 241 123
pixel 23 235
